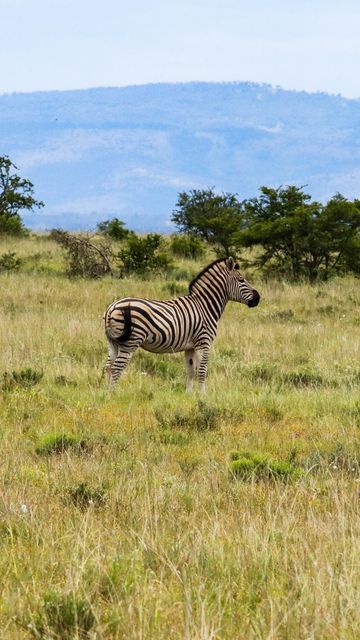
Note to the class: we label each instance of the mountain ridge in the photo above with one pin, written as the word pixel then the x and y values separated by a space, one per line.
pixel 127 151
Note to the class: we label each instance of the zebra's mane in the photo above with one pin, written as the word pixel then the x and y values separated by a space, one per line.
pixel 194 280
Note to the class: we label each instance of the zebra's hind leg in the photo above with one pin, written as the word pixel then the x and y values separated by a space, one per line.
pixel 190 369
pixel 122 359
pixel 113 352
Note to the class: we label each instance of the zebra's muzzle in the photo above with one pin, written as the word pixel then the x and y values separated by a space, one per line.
pixel 254 301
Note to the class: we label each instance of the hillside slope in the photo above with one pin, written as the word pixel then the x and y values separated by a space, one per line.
pixel 128 151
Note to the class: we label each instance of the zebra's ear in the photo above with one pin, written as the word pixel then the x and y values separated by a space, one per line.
pixel 230 263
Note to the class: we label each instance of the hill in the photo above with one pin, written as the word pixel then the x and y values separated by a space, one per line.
pixel 128 151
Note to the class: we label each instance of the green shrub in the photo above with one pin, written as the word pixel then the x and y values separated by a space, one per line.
pixel 12 225
pixel 186 246
pixel 247 466
pixel 57 444
pixel 62 617
pixel 9 262
pixel 25 378
pixel 144 256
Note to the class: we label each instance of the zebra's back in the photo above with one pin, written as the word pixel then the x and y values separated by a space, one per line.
pixel 160 326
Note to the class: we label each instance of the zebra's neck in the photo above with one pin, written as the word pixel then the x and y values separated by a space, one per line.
pixel 210 290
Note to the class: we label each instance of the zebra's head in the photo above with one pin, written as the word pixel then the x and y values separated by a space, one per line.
pixel 239 290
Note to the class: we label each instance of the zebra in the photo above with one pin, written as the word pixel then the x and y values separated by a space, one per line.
pixel 187 323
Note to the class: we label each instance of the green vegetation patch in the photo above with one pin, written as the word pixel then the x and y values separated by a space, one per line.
pixel 10 262
pixel 178 438
pixel 247 466
pixel 162 366
pixel 62 616
pixel 303 379
pixel 202 417
pixel 25 379
pixel 83 496
pixel 56 444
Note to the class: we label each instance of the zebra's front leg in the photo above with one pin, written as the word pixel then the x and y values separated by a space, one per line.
pixel 201 365
pixel 190 369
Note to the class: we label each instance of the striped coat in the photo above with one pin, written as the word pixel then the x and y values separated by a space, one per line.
pixel 187 323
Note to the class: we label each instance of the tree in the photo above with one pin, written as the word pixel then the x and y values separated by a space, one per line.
pixel 213 217
pixel 16 195
pixel 113 228
pixel 300 238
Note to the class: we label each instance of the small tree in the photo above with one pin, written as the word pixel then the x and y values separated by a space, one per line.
pixel 216 218
pixel 143 255
pixel 300 238
pixel 113 228
pixel 16 195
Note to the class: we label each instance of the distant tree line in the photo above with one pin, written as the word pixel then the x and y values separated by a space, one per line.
pixel 291 236
pixel 294 237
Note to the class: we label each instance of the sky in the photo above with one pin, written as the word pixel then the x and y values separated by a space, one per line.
pixel 310 45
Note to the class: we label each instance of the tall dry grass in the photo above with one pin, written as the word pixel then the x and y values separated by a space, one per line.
pixel 142 531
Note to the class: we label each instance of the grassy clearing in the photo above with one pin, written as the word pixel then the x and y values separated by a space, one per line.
pixel 120 517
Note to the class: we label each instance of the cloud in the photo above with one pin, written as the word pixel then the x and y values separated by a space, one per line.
pixel 276 129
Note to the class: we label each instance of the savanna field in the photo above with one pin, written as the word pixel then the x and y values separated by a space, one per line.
pixel 149 513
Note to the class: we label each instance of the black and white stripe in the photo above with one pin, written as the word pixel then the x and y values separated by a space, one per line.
pixel 187 323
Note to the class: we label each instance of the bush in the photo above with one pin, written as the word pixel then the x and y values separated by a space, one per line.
pixel 143 256
pixel 246 466
pixel 62 616
pixel 185 246
pixel 9 262
pixel 85 259
pixel 12 225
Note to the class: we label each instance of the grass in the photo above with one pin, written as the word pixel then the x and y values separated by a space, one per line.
pixel 143 532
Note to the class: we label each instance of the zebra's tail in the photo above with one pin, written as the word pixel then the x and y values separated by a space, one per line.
pixel 112 319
